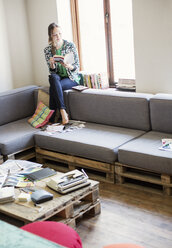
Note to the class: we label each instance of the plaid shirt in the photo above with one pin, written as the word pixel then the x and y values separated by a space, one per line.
pixel 68 47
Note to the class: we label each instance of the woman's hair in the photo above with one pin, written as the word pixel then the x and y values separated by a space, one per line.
pixel 50 30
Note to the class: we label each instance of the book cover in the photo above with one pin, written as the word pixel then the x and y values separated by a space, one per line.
pixel 7 194
pixel 67 59
pixel 80 87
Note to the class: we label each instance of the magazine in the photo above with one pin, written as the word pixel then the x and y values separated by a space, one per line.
pixel 166 145
pixel 79 87
pixel 67 59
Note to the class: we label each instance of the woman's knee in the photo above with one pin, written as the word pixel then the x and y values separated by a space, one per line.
pixel 54 77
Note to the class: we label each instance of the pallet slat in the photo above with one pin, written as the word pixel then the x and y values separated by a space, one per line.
pixel 64 208
pixel 24 154
pixel 124 172
pixel 96 170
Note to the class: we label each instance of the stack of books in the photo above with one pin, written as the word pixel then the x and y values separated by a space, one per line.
pixel 69 181
pixel 94 80
pixel 7 194
pixel 126 84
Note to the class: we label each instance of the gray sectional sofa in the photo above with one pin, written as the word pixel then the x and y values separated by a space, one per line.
pixel 119 143
pixel 16 135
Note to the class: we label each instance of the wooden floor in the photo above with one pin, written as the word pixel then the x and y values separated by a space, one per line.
pixel 129 216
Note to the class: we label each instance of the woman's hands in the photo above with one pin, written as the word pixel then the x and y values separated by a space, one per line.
pixel 52 63
pixel 68 66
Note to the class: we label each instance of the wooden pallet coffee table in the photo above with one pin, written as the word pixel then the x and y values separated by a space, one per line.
pixel 64 208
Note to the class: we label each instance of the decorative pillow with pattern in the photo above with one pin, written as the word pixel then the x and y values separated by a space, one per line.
pixel 41 116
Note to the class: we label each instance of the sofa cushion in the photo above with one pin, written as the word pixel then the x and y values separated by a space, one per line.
pixel 41 116
pixel 17 104
pixel 110 107
pixel 16 136
pixel 144 153
pixel 161 113
pixel 94 141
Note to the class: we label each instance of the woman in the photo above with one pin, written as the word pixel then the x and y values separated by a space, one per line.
pixel 63 76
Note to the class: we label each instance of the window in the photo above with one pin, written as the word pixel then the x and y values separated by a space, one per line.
pixel 122 39
pixel 63 6
pixel 93 46
pixel 103 33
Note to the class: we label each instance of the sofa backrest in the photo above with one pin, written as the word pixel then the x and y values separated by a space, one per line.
pixel 110 107
pixel 17 104
pixel 161 113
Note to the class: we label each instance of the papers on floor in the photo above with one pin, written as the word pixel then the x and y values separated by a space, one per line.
pixel 7 194
pixel 166 145
pixel 57 127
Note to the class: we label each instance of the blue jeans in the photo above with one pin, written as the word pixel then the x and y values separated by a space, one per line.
pixel 57 86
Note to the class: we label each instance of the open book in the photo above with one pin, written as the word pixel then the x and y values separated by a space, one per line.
pixel 67 59
pixel 79 87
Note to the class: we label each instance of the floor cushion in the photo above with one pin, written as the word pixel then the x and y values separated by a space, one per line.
pixel 123 246
pixel 55 231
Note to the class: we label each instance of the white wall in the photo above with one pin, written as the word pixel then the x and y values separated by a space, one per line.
pixel 23 27
pixel 6 82
pixel 19 42
pixel 40 14
pixel 152 20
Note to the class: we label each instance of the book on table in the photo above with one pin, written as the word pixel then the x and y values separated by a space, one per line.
pixel 7 194
pixel 40 174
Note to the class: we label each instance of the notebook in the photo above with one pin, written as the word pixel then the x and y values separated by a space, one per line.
pixel 40 174
pixel 7 194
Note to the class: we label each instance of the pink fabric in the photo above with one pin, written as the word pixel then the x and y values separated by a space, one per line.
pixel 55 231
pixel 123 246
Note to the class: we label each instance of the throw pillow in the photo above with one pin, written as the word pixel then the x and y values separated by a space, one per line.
pixel 41 116
pixel 43 96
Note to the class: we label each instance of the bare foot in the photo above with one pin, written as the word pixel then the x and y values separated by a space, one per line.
pixel 65 118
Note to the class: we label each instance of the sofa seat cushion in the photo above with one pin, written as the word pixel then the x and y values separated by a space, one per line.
pixel 16 136
pixel 94 141
pixel 144 153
